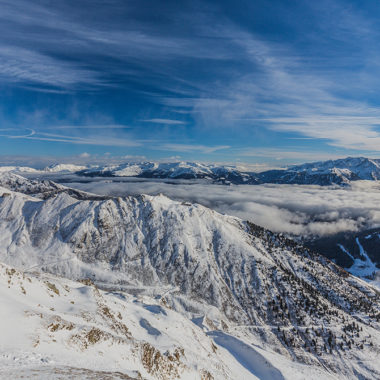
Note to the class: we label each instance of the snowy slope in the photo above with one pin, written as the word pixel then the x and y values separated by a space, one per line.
pixel 234 276
pixel 362 167
pixel 55 328
pixel 64 168
pixel 17 169
pixel 40 188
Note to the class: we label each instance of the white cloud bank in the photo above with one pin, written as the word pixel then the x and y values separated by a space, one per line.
pixel 299 210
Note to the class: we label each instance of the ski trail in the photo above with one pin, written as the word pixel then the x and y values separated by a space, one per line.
pixel 371 267
pixel 345 251
pixel 362 251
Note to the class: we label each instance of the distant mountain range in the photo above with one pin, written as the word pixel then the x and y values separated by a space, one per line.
pixel 339 172
pixel 176 170
pixel 323 173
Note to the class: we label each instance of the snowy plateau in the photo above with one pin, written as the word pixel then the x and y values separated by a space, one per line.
pixel 145 287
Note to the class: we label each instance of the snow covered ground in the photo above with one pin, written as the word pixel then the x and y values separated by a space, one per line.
pixel 183 292
pixel 54 328
pixel 49 323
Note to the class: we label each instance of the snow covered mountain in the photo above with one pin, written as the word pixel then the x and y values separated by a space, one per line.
pixel 64 168
pixel 338 172
pixel 323 173
pixel 176 170
pixel 301 176
pixel 17 169
pixel 245 283
pixel 363 168
pixel 41 189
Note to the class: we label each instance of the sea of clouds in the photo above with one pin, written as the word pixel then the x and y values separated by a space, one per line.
pixel 298 210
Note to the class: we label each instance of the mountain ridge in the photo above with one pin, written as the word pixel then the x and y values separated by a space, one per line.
pixel 339 172
pixel 232 272
pixel 324 173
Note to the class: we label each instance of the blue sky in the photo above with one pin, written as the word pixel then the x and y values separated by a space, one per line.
pixel 272 82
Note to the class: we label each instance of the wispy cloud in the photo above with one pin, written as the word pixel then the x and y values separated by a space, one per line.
pixel 121 140
pixel 124 50
pixel 217 71
pixel 192 148
pixel 286 98
pixel 296 155
pixel 164 121
pixel 23 65
pixel 99 140
pixel 78 127
pixel 350 132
